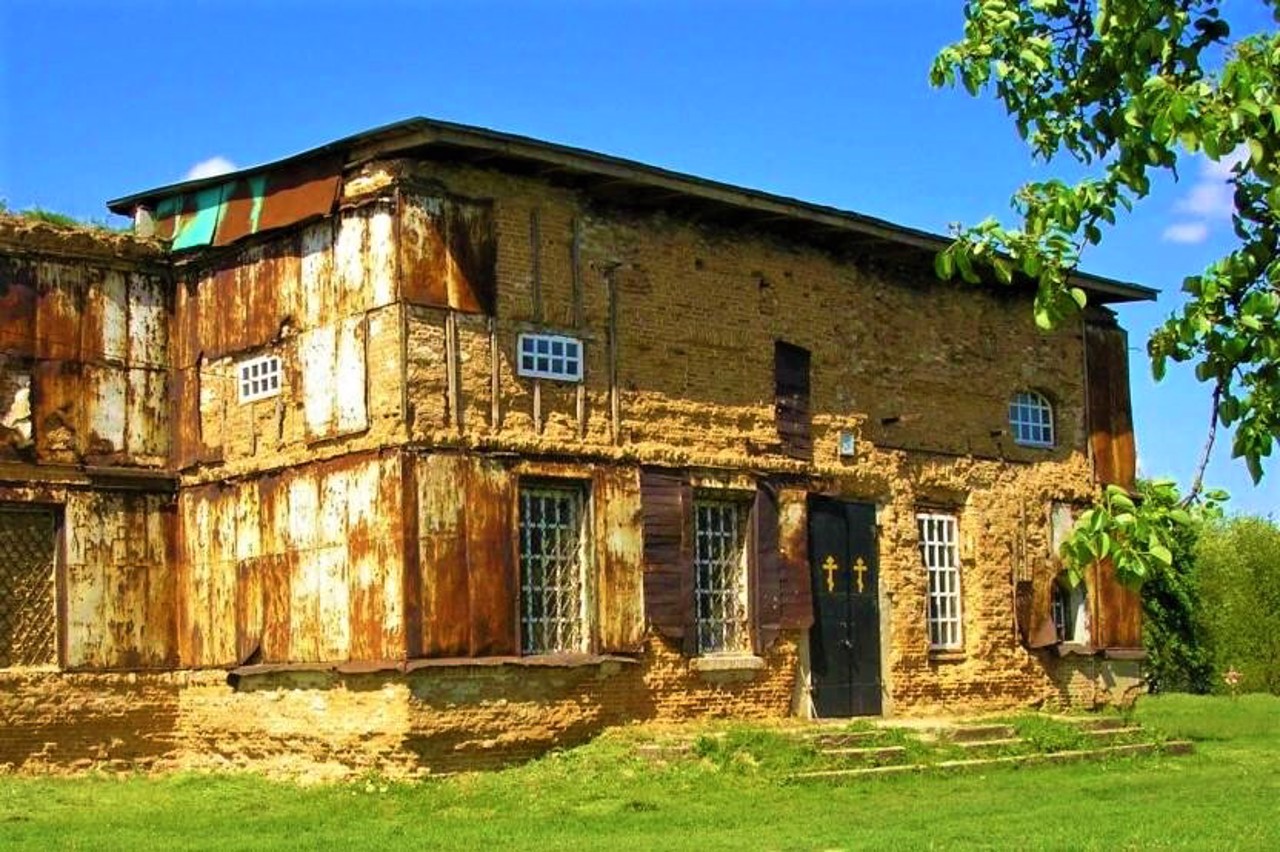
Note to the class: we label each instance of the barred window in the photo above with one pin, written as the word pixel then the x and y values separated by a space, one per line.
pixel 719 559
pixel 552 572
pixel 259 378
pixel 938 552
pixel 1031 419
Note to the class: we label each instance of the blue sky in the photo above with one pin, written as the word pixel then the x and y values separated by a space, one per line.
pixel 828 102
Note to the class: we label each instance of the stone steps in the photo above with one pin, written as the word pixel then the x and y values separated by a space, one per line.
pixel 872 754
pixel 1174 747
pixel 976 733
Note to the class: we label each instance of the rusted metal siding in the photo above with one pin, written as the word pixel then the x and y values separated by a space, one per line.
pixel 83 363
pixel 310 296
pixel 1110 412
pixel 118 581
pixel 620 592
pixel 303 565
pixel 448 253
pixel 442 605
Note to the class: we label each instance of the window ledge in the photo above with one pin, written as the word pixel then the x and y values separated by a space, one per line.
pixel 405 667
pixel 947 655
pixel 727 663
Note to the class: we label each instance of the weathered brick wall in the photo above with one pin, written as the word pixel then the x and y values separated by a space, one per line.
pixel 322 725
pixel 922 372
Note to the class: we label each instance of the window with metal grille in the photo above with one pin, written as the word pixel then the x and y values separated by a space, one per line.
pixel 938 552
pixel 721 575
pixel 550 356
pixel 1031 419
pixel 552 572
pixel 28 621
pixel 259 378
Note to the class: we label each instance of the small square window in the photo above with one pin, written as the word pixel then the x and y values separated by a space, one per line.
pixel 259 378
pixel 550 356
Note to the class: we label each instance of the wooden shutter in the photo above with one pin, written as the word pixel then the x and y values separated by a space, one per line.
pixel 1116 610
pixel 796 590
pixel 437 590
pixel 666 500
pixel 768 567
pixel 791 399
pixel 1110 413
pixel 618 533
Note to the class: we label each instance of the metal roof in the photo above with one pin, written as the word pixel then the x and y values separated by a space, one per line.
pixel 625 180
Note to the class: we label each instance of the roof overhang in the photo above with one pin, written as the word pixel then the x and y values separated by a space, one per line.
pixel 616 178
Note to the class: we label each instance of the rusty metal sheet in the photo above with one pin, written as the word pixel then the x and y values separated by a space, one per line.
pixel 118 581
pixel 303 565
pixel 332 364
pixel 59 411
pixel 616 494
pixel 225 212
pixel 17 307
pixel 448 253
pixel 491 561
pixel 445 603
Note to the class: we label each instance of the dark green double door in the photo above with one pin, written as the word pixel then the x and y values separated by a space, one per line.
pixel 844 644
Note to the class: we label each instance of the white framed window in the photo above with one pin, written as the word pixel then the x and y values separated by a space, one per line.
pixel 553 599
pixel 1031 419
pixel 259 378
pixel 939 553
pixel 720 571
pixel 550 356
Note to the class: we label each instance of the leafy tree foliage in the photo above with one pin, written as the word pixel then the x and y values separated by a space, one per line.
pixel 1239 566
pixel 1124 87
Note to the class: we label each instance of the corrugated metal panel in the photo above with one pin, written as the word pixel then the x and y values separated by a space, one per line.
pixel 221 214
pixel 616 496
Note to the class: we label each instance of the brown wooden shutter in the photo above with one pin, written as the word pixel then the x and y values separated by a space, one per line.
pixel 768 567
pixel 666 500
pixel 791 403
pixel 1116 610
pixel 796 590
pixel 1110 413
pixel 621 577
pixel 491 561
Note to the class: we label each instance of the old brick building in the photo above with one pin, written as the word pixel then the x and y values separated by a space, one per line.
pixel 435 447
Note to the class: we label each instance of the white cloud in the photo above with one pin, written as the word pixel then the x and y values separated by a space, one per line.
pixel 1221 170
pixel 1186 232
pixel 1209 198
pixel 211 167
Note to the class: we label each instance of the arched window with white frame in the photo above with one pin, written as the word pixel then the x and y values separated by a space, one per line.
pixel 1031 419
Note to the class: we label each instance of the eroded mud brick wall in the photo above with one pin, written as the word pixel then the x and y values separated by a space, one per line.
pixel 680 323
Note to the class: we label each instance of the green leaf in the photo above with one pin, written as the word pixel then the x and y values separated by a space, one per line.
pixel 943 264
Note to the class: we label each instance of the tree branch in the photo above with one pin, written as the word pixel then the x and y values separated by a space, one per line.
pixel 1197 484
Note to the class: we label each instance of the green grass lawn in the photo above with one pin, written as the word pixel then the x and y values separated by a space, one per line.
pixel 1226 795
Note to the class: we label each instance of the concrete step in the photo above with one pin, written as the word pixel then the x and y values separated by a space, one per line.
pixel 1174 747
pixel 984 745
pixel 875 754
pixel 840 739
pixel 1107 734
pixel 1094 723
pixel 975 733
